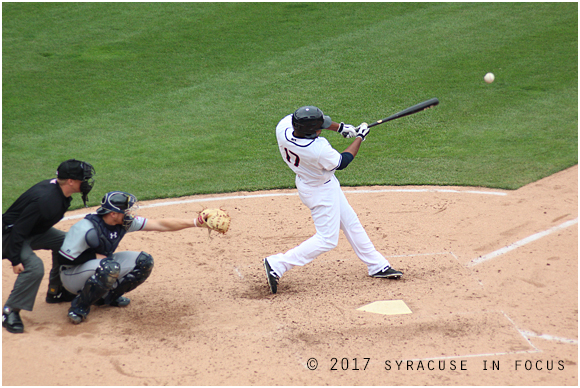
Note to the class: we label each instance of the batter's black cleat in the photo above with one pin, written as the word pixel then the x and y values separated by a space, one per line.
pixel 53 296
pixel 272 277
pixel 389 273
pixel 11 320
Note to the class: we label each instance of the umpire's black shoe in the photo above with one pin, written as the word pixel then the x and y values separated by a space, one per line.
pixel 11 320
pixel 389 273
pixel 58 296
pixel 272 277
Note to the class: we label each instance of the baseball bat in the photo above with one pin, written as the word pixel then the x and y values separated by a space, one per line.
pixel 409 111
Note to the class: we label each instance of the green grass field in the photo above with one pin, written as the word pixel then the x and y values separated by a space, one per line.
pixel 175 99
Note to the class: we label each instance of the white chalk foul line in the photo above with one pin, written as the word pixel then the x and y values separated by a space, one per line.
pixel 521 243
pixel 425 191
pixel 550 337
pixel 296 193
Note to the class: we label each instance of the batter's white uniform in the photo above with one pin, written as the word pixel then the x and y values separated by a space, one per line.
pixel 314 161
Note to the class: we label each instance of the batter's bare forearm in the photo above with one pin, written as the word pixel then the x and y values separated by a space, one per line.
pixel 354 146
pixel 334 126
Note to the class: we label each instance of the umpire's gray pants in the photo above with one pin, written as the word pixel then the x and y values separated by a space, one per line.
pixel 74 277
pixel 28 281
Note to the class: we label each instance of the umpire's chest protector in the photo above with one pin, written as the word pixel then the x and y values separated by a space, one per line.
pixel 109 236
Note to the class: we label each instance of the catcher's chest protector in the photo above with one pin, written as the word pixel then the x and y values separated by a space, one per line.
pixel 109 235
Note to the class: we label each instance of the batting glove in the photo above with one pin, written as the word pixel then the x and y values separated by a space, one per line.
pixel 362 131
pixel 346 130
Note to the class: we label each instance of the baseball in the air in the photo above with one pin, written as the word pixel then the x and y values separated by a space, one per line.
pixel 489 77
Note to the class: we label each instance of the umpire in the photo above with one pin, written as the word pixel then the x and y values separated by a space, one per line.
pixel 27 226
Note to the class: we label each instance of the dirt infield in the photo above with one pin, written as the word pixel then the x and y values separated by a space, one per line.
pixel 491 278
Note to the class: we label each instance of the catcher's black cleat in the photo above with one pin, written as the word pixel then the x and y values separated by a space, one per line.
pixel 119 302
pixel 272 277
pixel 74 318
pixel 389 273
pixel 61 296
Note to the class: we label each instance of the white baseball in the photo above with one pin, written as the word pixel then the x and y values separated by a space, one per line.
pixel 489 77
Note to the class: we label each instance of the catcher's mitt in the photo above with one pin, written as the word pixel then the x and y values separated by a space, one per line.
pixel 216 219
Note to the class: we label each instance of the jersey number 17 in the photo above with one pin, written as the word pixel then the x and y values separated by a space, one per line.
pixel 289 155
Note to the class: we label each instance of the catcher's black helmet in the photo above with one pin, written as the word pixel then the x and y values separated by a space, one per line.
pixel 116 201
pixel 119 202
pixel 309 119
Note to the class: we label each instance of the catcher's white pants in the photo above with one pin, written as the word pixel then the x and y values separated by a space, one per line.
pixel 331 212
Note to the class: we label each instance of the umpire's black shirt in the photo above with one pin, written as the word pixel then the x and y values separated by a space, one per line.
pixel 34 212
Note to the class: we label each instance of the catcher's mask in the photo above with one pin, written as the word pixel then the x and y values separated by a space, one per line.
pixel 307 120
pixel 81 171
pixel 119 202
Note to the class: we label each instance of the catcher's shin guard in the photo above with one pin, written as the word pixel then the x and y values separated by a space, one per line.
pixel 143 267
pixel 96 286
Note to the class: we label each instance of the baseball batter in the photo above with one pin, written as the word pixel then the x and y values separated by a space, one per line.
pixel 314 161
pixel 90 267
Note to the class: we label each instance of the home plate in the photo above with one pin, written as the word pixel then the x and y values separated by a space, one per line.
pixel 387 307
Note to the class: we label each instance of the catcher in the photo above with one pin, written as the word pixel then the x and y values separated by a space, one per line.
pixel 92 270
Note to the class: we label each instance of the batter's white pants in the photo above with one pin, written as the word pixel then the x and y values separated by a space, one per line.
pixel 331 212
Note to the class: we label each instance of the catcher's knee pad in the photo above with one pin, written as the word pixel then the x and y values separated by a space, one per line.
pixel 143 267
pixel 96 286
pixel 144 264
pixel 108 272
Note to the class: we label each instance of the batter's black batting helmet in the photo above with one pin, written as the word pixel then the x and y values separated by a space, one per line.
pixel 309 119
